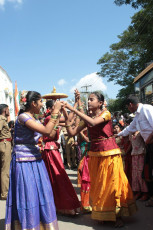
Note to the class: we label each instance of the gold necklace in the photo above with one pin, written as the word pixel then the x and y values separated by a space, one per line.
pixel 97 115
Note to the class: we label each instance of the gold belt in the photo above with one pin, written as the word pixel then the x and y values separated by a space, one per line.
pixel 51 147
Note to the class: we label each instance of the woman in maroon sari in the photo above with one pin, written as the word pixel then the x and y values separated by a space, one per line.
pixel 66 200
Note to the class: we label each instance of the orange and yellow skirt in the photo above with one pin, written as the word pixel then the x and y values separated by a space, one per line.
pixel 110 193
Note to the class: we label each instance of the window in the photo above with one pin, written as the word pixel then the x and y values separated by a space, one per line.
pixel 148 90
pixel 137 87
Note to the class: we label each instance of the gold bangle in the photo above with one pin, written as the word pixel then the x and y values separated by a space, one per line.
pixel 80 107
pixel 67 126
pixel 54 116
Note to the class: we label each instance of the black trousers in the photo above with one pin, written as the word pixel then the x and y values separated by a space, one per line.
pixel 147 173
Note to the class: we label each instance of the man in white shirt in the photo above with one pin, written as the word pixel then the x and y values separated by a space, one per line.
pixel 61 141
pixel 143 122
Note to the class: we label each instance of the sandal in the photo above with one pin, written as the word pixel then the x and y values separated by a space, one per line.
pixel 149 203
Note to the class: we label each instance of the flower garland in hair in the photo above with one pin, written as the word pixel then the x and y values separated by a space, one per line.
pixel 23 99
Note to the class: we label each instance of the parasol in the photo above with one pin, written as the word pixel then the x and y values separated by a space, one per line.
pixel 53 95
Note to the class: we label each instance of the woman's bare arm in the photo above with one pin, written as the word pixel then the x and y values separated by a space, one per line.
pixel 46 130
pixel 89 120
pixel 72 131
pixel 85 138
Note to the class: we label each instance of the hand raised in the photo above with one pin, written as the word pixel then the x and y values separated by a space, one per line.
pixel 58 105
pixel 68 106
pixel 77 95
pixel 65 113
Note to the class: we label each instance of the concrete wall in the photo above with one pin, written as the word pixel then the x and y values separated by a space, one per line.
pixel 6 92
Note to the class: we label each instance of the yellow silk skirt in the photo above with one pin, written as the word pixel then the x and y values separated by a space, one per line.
pixel 110 194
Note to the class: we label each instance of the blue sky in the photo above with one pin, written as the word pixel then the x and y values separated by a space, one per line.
pixel 46 43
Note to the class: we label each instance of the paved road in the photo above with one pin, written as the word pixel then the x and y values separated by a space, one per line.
pixel 142 220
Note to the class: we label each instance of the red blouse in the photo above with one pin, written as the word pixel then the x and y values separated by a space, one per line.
pixel 101 136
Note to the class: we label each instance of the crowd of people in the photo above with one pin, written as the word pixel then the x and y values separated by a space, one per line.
pixel 112 153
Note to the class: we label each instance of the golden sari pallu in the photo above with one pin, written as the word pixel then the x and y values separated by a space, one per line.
pixel 42 226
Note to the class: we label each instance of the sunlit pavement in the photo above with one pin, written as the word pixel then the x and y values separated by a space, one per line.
pixel 142 220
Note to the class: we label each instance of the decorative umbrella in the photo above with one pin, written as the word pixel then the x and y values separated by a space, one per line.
pixel 53 95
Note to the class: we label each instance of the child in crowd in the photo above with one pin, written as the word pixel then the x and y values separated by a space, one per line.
pixel 139 186
pixel 110 193
pixel 119 140
pixel 127 156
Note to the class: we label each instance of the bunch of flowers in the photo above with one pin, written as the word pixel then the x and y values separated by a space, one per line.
pixel 23 98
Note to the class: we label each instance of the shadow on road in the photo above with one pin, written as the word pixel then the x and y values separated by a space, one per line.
pixel 85 220
pixel 77 190
pixel 142 220
pixel 70 175
pixel 74 181
pixel 2 224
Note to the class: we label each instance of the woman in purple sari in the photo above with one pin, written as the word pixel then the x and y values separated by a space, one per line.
pixel 30 202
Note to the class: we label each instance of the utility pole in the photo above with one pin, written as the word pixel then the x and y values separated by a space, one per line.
pixel 86 86
pixel 86 92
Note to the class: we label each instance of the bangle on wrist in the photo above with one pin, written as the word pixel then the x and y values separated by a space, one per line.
pixel 55 127
pixel 54 116
pixel 80 107
pixel 67 126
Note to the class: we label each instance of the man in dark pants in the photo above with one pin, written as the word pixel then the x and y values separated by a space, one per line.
pixel 5 150
pixel 143 122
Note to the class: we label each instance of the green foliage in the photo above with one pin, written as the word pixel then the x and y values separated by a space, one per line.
pixel 127 58
pixel 117 105
pixel 134 3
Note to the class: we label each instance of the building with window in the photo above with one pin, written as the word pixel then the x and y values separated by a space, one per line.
pixel 6 92
pixel 143 84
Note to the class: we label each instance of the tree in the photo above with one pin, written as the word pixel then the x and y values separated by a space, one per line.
pixel 117 105
pixel 134 3
pixel 127 58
